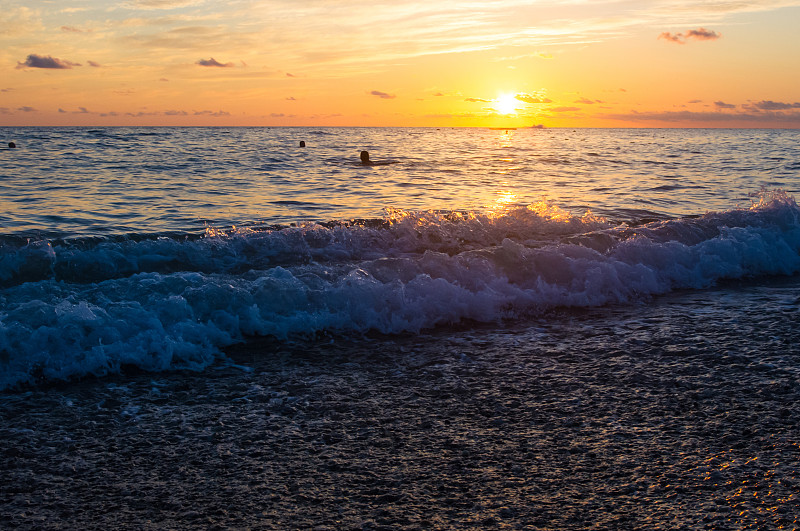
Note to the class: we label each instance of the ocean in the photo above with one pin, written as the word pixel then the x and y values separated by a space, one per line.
pixel 529 328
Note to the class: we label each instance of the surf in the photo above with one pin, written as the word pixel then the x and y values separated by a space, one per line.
pixel 73 308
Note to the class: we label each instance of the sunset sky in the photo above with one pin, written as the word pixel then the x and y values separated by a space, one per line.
pixel 503 63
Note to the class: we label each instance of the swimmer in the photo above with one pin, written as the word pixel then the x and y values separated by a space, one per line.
pixel 366 162
pixel 302 143
pixel 11 145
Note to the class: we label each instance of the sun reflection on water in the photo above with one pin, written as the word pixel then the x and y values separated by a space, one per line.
pixel 505 198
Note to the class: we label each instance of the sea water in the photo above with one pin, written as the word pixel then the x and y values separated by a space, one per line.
pixel 158 248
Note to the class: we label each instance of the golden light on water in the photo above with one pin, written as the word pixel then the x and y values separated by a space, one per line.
pixel 505 198
pixel 505 140
pixel 549 211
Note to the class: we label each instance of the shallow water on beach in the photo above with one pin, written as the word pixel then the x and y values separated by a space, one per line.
pixel 678 414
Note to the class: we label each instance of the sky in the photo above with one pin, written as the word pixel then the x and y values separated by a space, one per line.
pixel 499 63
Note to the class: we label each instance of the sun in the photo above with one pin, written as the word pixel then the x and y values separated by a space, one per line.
pixel 506 104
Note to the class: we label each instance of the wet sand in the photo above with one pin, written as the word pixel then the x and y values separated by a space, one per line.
pixel 660 416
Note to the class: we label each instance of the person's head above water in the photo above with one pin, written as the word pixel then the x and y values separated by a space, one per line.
pixel 302 143
pixel 365 157
pixel 12 145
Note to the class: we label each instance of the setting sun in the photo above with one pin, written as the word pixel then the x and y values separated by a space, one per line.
pixel 506 104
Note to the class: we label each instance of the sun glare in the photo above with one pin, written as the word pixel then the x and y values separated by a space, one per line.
pixel 506 104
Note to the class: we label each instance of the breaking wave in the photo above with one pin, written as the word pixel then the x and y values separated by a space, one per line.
pixel 70 308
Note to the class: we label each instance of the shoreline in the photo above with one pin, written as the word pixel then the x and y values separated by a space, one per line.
pixel 572 422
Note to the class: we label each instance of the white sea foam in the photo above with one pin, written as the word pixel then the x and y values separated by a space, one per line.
pixel 166 304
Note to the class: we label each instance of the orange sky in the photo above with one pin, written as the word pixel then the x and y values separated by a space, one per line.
pixel 504 63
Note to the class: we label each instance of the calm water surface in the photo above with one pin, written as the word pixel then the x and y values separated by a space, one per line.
pixel 79 182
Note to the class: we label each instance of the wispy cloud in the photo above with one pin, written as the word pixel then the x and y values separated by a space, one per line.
pixel 532 98
pixel 702 34
pixel 162 4
pixel 179 36
pixel 791 118
pixel 587 101
pixel 420 28
pixel 382 95
pixel 45 61
pixel 19 20
pixel 699 34
pixel 311 33
pixel 667 36
pixel 438 92
pixel 769 105
pixel 214 62
pixel 477 100
pixel 539 55
pixel 141 114
pixel 212 113
pixel 170 112
pixel 723 105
